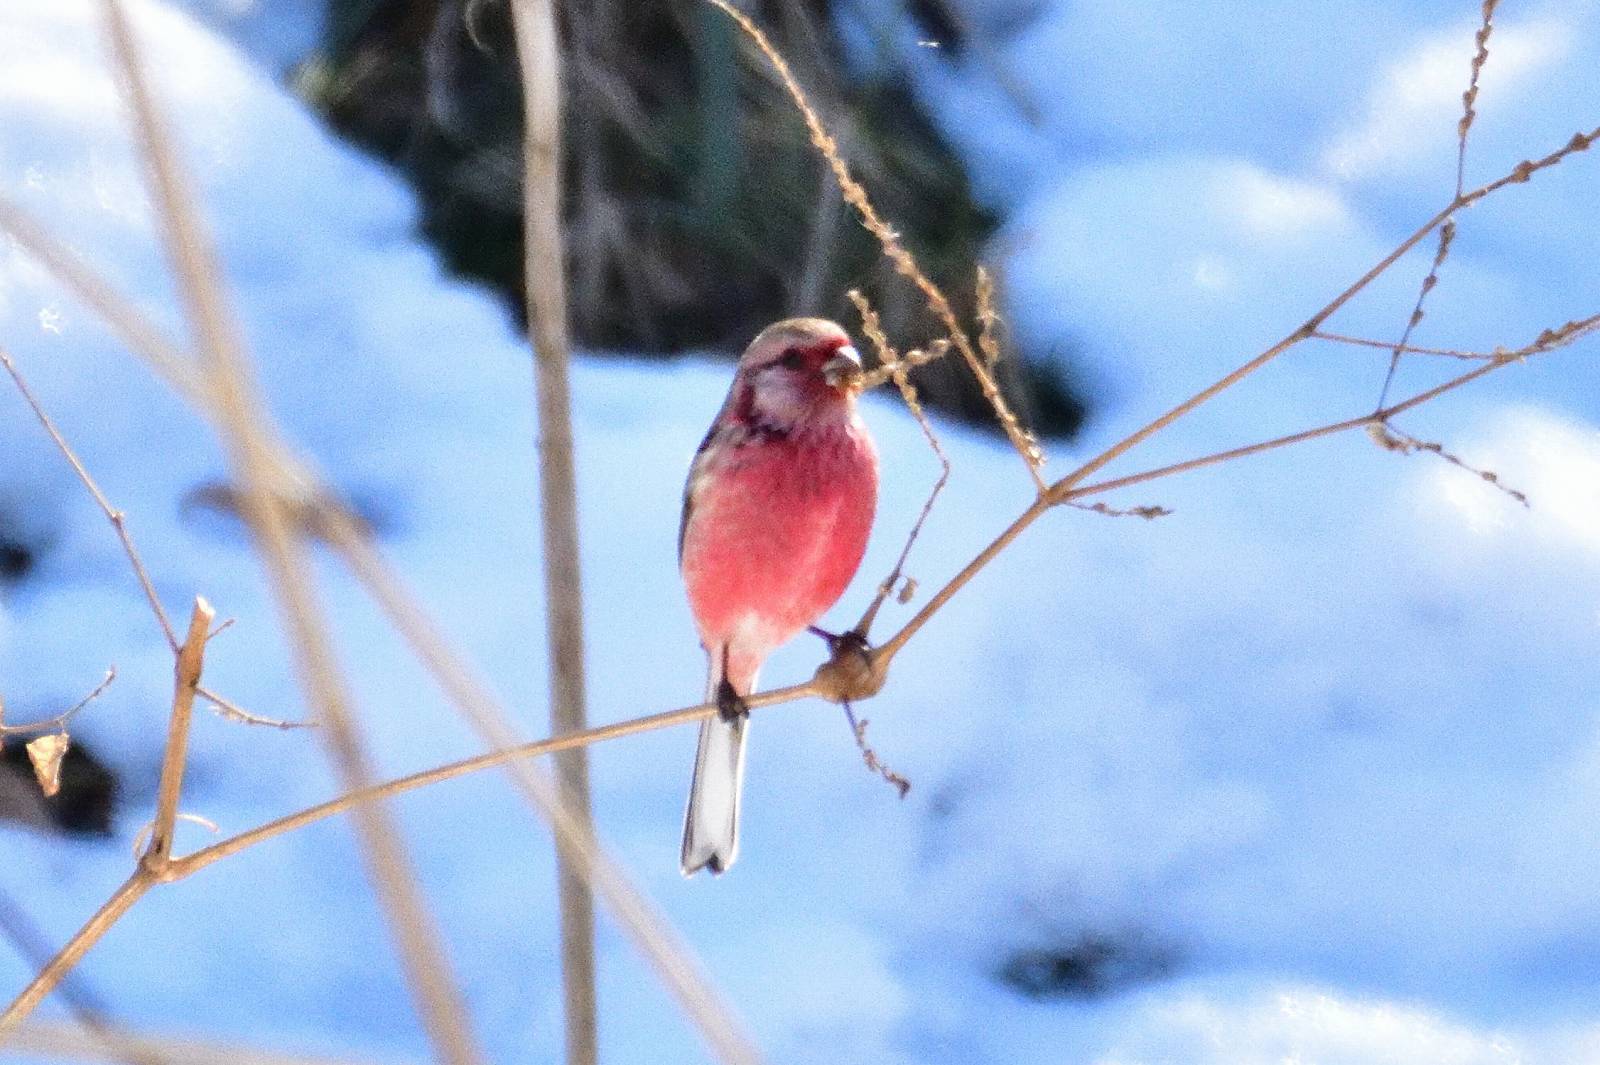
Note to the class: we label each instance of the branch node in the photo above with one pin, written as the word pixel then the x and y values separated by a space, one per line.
pixel 853 672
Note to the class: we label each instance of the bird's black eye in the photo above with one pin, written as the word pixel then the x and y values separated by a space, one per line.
pixel 792 359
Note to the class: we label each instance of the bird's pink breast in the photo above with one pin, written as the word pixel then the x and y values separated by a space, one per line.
pixel 776 533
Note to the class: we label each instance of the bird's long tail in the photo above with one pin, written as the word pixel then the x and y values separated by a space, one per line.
pixel 711 823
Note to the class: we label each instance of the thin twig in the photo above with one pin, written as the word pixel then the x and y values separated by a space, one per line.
pixel 113 515
pixel 1146 511
pixel 56 723
pixel 544 262
pixel 869 757
pixel 1469 99
pixel 1284 441
pixel 1549 340
pixel 227 708
pixel 1447 234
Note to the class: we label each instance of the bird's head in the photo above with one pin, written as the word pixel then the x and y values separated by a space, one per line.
pixel 797 369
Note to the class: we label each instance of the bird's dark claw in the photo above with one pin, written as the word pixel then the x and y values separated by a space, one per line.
pixel 849 640
pixel 730 704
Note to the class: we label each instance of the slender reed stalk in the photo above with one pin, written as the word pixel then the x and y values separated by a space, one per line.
pixel 544 269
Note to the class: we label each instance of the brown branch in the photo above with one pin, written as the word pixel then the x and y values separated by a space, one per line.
pixel 189 864
pixel 109 914
pixel 81 1001
pixel 251 452
pixel 1301 437
pixel 191 660
pixel 544 261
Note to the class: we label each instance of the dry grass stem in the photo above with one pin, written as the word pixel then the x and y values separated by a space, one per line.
pixel 51 975
pixel 498 758
pixel 544 260
pixel 44 1039
pixel 893 249
pixel 988 319
pixel 1147 512
pixel 897 368
pixel 1216 458
pixel 232 711
pixel 171 364
pixel 252 455
pixel 869 756
pixel 1469 99
pixel 1548 340
pixel 1447 234
pixel 1391 439
pixel 1581 142
pixel 672 959
pixel 191 660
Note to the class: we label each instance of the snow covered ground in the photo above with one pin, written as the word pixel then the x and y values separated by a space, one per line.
pixel 1307 771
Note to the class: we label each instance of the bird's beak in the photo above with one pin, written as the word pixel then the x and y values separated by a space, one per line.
pixel 843 370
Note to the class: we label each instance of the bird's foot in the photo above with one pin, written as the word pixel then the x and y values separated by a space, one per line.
pixel 730 704
pixel 849 640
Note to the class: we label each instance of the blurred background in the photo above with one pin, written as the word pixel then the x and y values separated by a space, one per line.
pixel 1305 771
pixel 699 211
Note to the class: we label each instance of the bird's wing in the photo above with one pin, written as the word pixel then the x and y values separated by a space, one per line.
pixel 697 471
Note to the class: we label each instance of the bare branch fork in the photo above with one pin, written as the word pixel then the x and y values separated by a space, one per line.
pixel 154 862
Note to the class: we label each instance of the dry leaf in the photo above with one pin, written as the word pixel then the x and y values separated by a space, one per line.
pixel 46 753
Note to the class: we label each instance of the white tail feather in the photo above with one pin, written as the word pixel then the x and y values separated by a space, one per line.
pixel 711 823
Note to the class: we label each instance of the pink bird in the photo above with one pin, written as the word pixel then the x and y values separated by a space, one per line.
pixel 775 520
